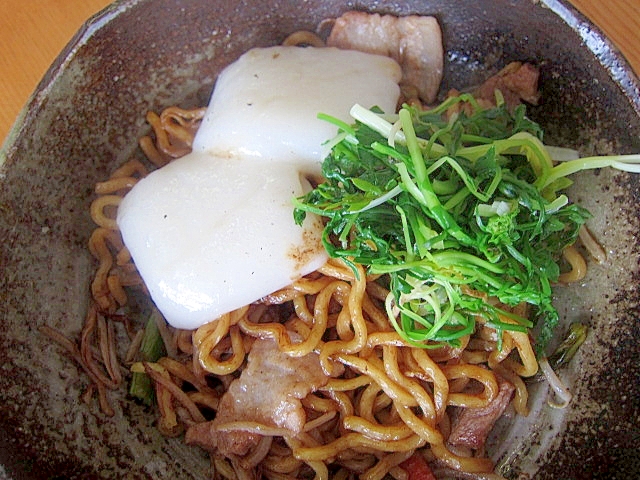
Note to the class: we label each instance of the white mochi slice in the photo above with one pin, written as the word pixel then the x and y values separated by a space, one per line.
pixel 266 103
pixel 211 235
pixel 214 230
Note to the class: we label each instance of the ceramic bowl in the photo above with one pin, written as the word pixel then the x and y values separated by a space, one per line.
pixel 84 120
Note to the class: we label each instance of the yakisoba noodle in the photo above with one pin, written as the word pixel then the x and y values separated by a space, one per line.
pixel 392 398
pixel 384 400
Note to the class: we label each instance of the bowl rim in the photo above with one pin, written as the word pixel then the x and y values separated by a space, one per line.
pixel 603 49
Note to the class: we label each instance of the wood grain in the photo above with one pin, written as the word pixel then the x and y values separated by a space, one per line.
pixel 620 21
pixel 32 34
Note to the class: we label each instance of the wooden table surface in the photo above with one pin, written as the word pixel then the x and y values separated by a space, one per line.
pixel 33 32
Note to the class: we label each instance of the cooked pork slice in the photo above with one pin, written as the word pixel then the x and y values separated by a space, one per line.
pixel 517 82
pixel 268 391
pixel 203 435
pixel 415 42
pixel 472 426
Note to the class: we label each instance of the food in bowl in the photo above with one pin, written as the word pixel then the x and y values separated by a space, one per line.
pixel 343 274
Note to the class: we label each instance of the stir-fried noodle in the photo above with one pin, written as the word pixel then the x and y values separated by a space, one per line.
pixel 382 400
pixel 368 400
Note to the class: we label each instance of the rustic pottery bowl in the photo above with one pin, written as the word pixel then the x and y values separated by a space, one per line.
pixel 84 120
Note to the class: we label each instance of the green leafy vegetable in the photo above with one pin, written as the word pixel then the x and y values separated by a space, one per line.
pixel 569 346
pixel 151 349
pixel 454 209
pixel 563 354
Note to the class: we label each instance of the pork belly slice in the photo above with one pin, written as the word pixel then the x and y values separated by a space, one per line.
pixel 472 426
pixel 268 391
pixel 414 41
pixel 517 82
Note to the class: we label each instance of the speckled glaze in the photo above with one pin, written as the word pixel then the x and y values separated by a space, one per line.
pixel 85 118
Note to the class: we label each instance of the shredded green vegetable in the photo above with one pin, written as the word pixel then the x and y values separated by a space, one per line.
pixel 151 349
pixel 569 346
pixel 563 354
pixel 453 210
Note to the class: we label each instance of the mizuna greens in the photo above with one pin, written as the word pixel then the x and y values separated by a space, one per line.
pixel 455 204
